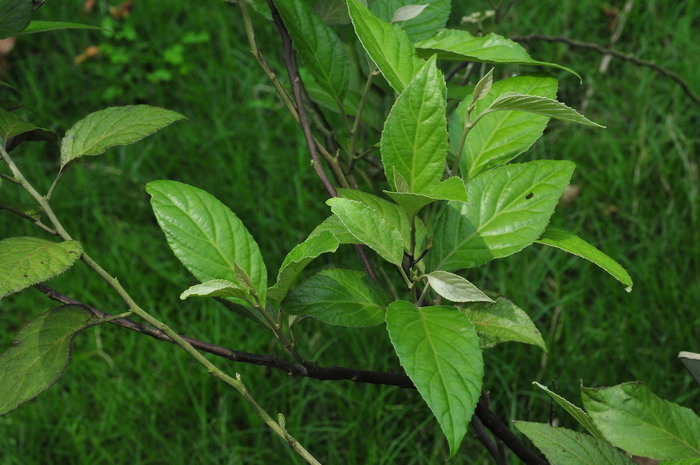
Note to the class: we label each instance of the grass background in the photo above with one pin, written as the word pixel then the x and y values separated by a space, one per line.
pixel 129 399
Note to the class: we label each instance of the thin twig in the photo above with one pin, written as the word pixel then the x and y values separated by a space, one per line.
pixel 484 439
pixel 623 56
pixel 489 418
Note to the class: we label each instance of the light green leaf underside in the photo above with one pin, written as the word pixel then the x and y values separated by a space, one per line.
pixel 508 209
pixel 439 349
pixel 431 19
pixel 579 415
pixel 502 321
pixel 216 288
pixel 450 44
pixel 499 137
pixel 450 189
pixel 206 236
pixel 368 227
pixel 414 139
pixel 298 258
pixel 319 47
pixel 12 125
pixel 14 16
pixel 333 225
pixel 573 244
pixel 455 288
pixel 633 418
pixel 387 44
pixel 46 26
pixel 101 130
pixel 25 261
pixel 39 355
pixel 339 297
pixel 562 446
pixel 392 214
pixel 513 101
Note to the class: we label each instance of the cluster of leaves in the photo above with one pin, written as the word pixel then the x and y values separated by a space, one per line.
pixel 453 200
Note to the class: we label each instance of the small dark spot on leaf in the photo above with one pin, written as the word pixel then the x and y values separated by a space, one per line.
pixel 529 196
pixel 26 275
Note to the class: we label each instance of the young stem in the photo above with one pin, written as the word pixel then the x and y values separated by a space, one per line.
pixel 134 308
pixel 358 116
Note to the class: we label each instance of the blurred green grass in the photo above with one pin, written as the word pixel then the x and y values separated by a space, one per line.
pixel 129 399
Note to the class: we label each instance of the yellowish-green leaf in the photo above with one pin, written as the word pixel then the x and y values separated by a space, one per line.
pixel 217 288
pixel 450 189
pixel 439 349
pixel 579 415
pixel 513 101
pixel 25 261
pixel 564 240
pixel 99 131
pixel 455 288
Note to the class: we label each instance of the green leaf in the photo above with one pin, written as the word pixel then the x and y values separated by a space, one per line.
pixel 691 361
pixel 680 462
pixel 333 225
pixel 579 415
pixel 414 139
pixel 430 19
pixel 455 288
pixel 634 419
pixel 298 258
pixel 439 349
pixel 562 446
pixel 45 26
pixel 39 355
pixel 564 240
pixel 368 227
pixel 450 44
pixel 508 209
pixel 217 288
pixel 502 321
pixel 513 101
pixel 261 7
pixel 332 12
pixel 392 214
pixel 450 189
pixel 99 131
pixel 14 16
pixel 206 236
pixel 319 47
pixel 12 126
pixel 483 87
pixel 339 297
pixel 387 44
pixel 499 137
pixel 25 261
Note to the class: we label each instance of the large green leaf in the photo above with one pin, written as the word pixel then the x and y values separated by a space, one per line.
pixel 368 227
pixel 298 258
pixel 450 189
pixel 579 415
pixel 562 446
pixel 502 321
pixel 414 139
pixel 455 288
pixel 339 297
pixel 14 16
pixel 450 44
pixel 392 214
pixel 25 261
pixel 508 209
pixel 39 355
pixel 206 236
pixel 513 101
pixel 387 44
pixel 564 240
pixel 319 47
pixel 500 136
pixel 430 19
pixel 46 26
pixel 680 462
pixel 634 419
pixel 99 131
pixel 12 126
pixel 439 349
